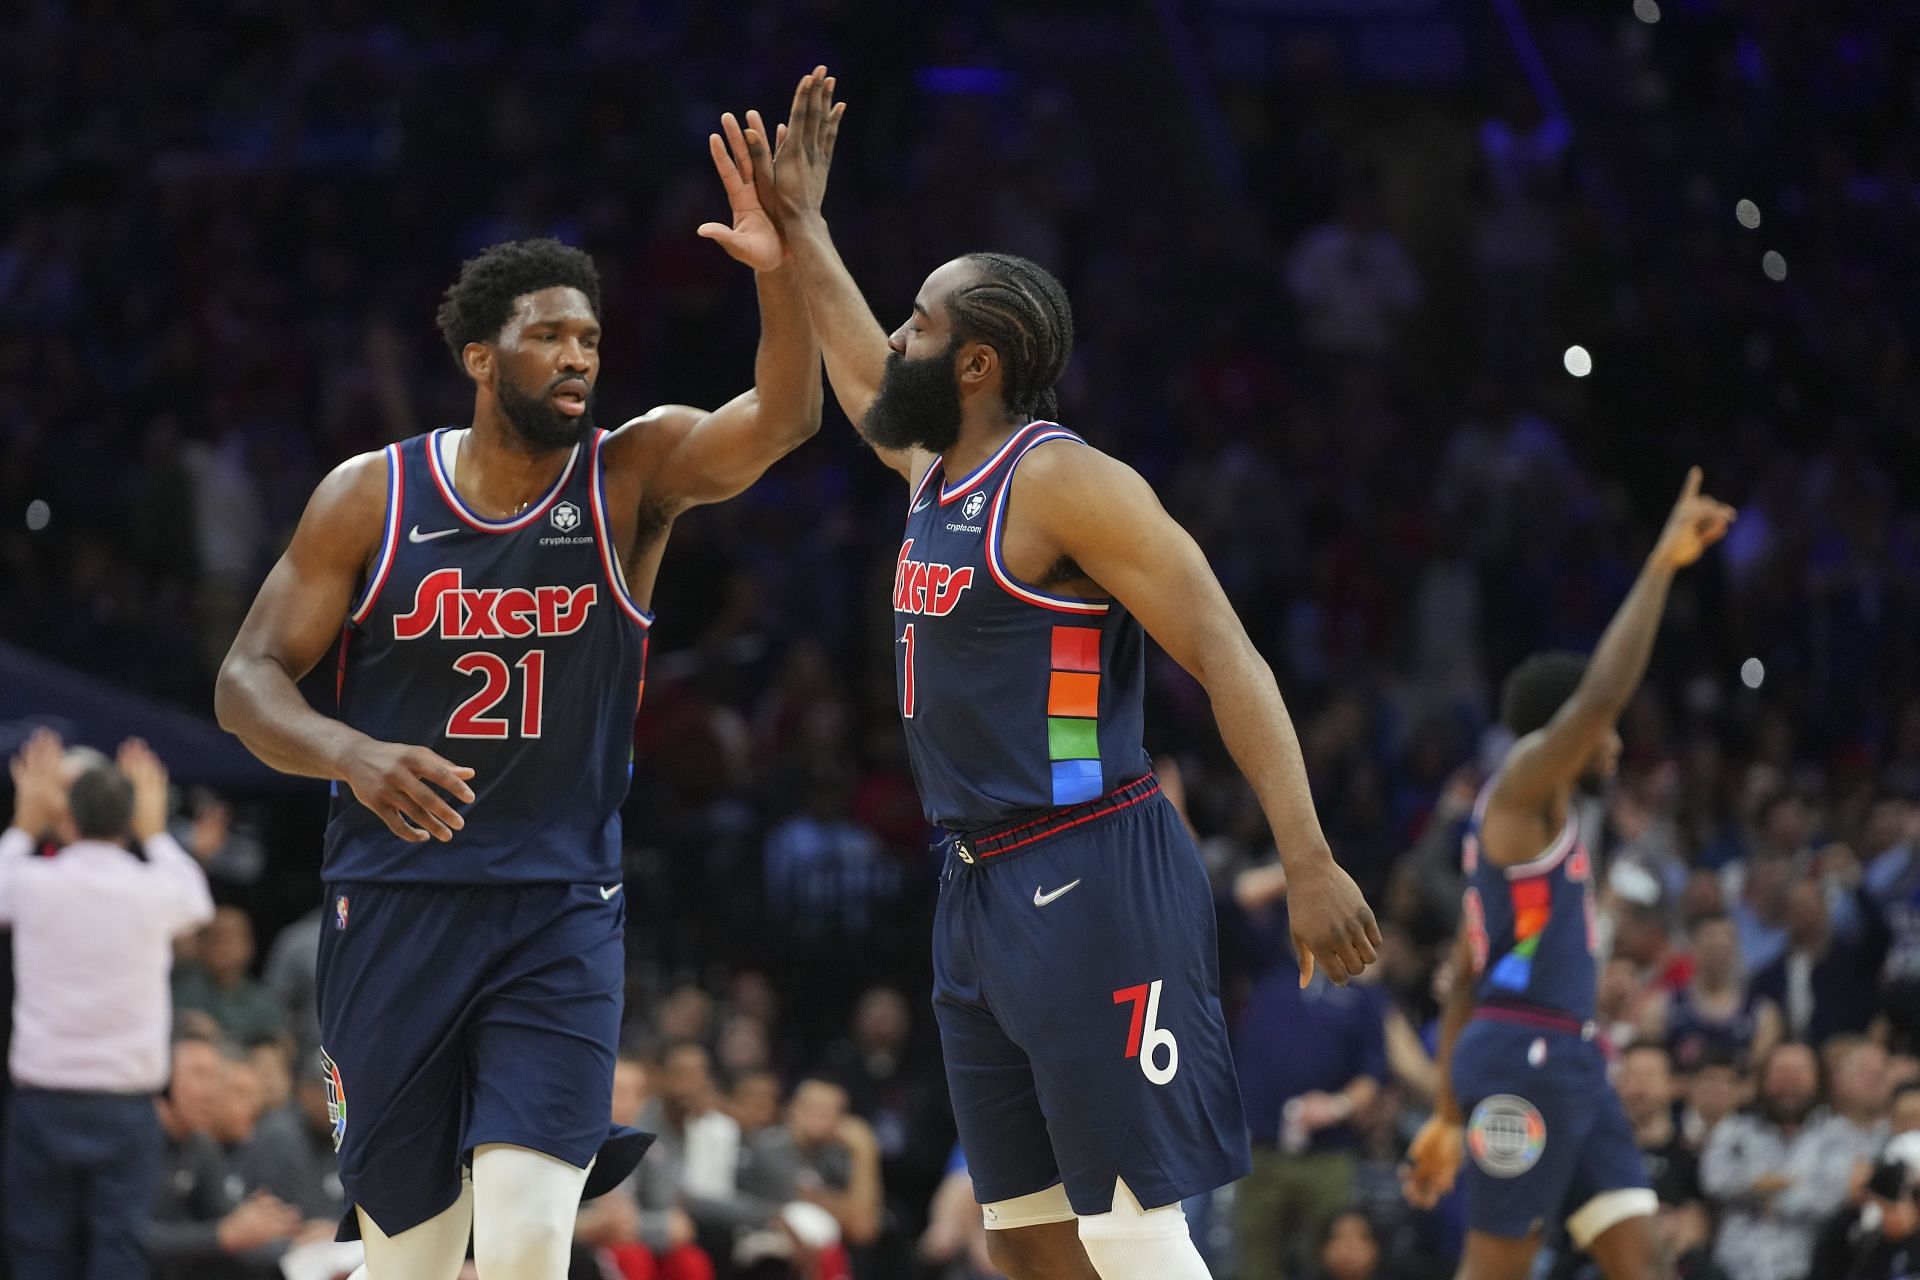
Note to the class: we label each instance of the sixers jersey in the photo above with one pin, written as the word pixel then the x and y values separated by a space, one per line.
pixel 508 646
pixel 1014 700
pixel 1531 925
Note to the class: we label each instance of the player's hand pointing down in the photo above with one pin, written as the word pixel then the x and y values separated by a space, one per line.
pixel 392 779
pixel 1331 922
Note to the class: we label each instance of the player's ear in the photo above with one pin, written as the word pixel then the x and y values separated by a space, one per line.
pixel 979 363
pixel 478 358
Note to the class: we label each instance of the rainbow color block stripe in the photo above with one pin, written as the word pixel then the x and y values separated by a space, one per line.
pixel 1073 715
pixel 1532 907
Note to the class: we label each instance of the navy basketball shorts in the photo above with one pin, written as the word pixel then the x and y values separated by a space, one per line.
pixel 1545 1131
pixel 1077 989
pixel 452 1016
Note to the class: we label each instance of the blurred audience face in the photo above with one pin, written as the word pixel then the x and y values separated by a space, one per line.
pixel 239 1105
pixel 1768 875
pixel 686 1015
pixel 1640 934
pixel 194 1092
pixel 1351 1252
pixel 1905 1114
pixel 1714 1093
pixel 226 946
pixel 274 1073
pixel 751 994
pixel 1790 1084
pixel 816 1111
pixel 1889 823
pixel 1807 915
pixel 687 1080
pixel 1702 895
pixel 882 1022
pixel 1645 1083
pixel 1716 952
pixel 756 1101
pixel 744 1046
pixel 630 1091
pixel 310 1095
pixel 1860 1083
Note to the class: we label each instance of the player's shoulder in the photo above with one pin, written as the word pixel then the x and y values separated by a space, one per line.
pixel 1060 462
pixel 646 436
pixel 351 499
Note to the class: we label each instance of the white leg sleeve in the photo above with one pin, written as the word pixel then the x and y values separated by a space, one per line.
pixel 434 1250
pixel 524 1205
pixel 1608 1210
pixel 1131 1243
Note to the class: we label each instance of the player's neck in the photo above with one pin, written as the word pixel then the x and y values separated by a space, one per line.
pixel 980 438
pixel 496 471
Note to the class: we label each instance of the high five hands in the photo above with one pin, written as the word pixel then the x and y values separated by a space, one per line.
pixel 766 189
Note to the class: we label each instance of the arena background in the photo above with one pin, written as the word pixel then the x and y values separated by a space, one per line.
pixel 1330 263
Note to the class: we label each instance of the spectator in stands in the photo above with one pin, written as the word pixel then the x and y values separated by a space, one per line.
pixel 216 981
pixel 291 1154
pixel 1349 1249
pixel 824 1155
pixel 1777 1172
pixel 289 976
pixel 955 1241
pixel 1353 281
pixel 93 939
pixel 1823 985
pixel 1713 1090
pixel 1861 1090
pixel 1761 913
pixel 204 1225
pixel 698 1151
pixel 639 1227
pixel 1644 1080
pixel 1712 1012
pixel 1309 1062
pixel 754 1102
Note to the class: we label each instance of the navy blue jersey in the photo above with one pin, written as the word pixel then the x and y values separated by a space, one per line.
pixel 1531 925
pixel 508 646
pixel 1015 700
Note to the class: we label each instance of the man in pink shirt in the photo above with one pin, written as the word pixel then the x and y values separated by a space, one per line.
pixel 93 931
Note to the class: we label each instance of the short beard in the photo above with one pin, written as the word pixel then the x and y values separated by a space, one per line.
pixel 540 426
pixel 918 404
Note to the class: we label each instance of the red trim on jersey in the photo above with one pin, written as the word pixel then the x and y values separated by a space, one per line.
pixel 1013 587
pixel 988 844
pixel 603 535
pixel 389 538
pixel 985 469
pixel 474 521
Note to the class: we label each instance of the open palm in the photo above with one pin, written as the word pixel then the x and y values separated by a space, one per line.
pixel 752 238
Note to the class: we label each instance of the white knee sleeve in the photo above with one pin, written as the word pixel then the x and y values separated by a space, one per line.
pixel 1131 1243
pixel 434 1250
pixel 1608 1210
pixel 524 1206
pixel 1034 1210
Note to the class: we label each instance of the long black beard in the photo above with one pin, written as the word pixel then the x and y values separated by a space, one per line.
pixel 537 422
pixel 918 404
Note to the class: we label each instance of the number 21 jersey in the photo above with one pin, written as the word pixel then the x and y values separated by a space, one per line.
pixel 508 646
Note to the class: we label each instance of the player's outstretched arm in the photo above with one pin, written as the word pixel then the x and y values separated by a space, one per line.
pixel 854 342
pixel 1099 512
pixel 294 621
pixel 1550 759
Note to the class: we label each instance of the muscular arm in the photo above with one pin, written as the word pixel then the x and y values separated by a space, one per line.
pixel 294 620
pixel 1077 502
pixel 688 457
pixel 853 342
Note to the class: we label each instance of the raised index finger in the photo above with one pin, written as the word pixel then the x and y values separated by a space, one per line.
pixel 1691 489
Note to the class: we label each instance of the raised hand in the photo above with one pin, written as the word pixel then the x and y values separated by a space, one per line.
pixel 805 149
pixel 1696 523
pixel 149 778
pixel 752 238
pixel 39 792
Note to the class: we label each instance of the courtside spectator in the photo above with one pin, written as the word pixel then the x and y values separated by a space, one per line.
pixel 93 942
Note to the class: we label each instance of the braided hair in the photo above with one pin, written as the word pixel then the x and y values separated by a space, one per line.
pixel 1019 309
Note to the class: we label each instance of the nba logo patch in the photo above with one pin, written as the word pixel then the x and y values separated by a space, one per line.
pixel 1506 1135
pixel 340 912
pixel 336 1096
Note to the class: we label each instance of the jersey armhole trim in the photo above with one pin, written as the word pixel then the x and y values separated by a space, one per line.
pixel 603 536
pixel 996 524
pixel 1538 865
pixel 389 539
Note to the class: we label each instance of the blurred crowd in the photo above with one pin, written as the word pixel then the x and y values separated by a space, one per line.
pixel 1338 357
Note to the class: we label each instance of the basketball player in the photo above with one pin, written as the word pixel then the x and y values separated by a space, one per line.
pixel 1545 1130
pixel 491 583
pixel 1076 970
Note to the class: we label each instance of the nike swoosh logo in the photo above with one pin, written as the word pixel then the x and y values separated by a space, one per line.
pixel 924 504
pixel 606 895
pixel 414 534
pixel 1042 899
